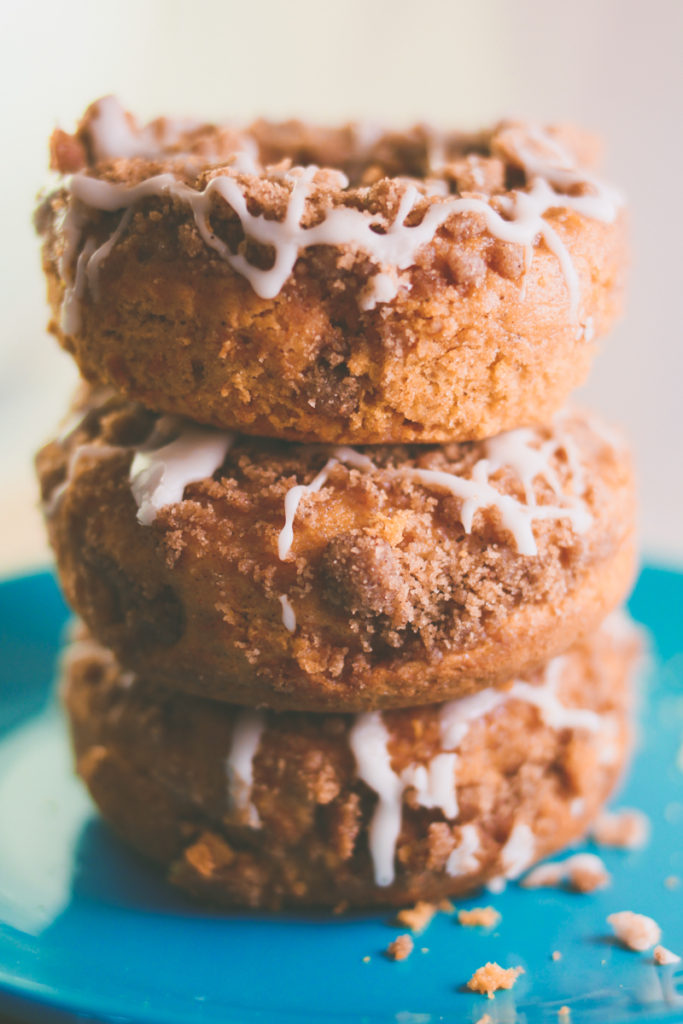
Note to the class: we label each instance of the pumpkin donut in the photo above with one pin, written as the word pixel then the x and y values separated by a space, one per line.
pixel 332 285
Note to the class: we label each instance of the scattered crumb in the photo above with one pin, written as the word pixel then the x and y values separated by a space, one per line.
pixel 489 978
pixel 664 956
pixel 418 917
pixel 583 872
pixel 564 1011
pixel 341 907
pixel 485 917
pixel 556 954
pixel 628 829
pixel 366 959
pixel 400 948
pixel 672 881
pixel 635 931
pixel 486 1019
pixel 602 963
pixel 446 907
pixel 425 949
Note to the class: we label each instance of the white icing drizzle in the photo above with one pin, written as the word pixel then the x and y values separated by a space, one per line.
pixel 463 859
pixel 369 740
pixel 349 457
pixel 246 737
pixel 114 136
pixel 514 449
pixel 159 477
pixel 435 784
pixel 518 852
pixel 288 614
pixel 518 217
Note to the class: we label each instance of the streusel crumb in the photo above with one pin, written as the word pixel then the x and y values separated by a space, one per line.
pixel 418 917
pixel 636 931
pixel 664 956
pixel 583 872
pixel 491 977
pixel 627 829
pixel 484 917
pixel 400 948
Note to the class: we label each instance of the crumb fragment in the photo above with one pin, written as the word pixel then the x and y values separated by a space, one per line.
pixel 672 881
pixel 366 959
pixel 418 917
pixel 583 872
pixel 486 1019
pixel 446 907
pixel 664 956
pixel 635 931
pixel 564 1011
pixel 425 949
pixel 400 948
pixel 491 977
pixel 627 829
pixel 484 917
pixel 556 955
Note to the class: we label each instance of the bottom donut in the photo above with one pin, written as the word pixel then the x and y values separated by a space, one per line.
pixel 260 809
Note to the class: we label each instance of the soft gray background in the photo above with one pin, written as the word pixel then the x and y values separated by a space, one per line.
pixel 613 65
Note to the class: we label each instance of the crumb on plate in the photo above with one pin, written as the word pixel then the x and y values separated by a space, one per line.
pixel 628 829
pixel 635 931
pixel 484 917
pixel 491 977
pixel 400 948
pixel 582 872
pixel 556 955
pixel 664 956
pixel 418 917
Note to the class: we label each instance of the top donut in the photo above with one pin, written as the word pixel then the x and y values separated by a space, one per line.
pixel 331 284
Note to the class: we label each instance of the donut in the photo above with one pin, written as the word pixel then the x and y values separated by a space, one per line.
pixel 268 809
pixel 332 285
pixel 315 577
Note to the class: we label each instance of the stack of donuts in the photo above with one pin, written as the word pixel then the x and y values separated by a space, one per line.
pixel 348 571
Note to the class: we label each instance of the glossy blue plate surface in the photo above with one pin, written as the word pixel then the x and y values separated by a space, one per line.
pixel 87 928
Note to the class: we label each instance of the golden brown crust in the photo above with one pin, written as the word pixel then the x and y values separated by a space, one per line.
pixel 156 764
pixel 395 603
pixel 471 345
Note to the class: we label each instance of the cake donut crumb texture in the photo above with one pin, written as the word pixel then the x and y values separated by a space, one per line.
pixel 332 284
pixel 267 809
pixel 313 578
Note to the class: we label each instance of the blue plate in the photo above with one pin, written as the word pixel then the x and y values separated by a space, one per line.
pixel 86 928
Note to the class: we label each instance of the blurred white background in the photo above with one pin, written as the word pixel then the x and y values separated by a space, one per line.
pixel 613 65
